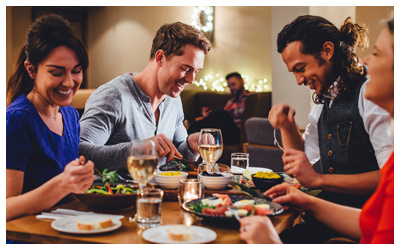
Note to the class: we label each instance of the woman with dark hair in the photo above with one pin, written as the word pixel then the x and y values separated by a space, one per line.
pixel 42 128
pixel 374 223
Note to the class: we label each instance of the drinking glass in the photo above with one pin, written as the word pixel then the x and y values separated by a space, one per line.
pixel 204 167
pixel 148 208
pixel 142 161
pixel 190 189
pixel 211 146
pixel 240 160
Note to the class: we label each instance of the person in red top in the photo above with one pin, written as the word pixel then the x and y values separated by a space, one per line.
pixel 374 223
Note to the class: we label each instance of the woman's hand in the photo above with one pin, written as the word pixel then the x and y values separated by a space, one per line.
pixel 78 176
pixel 286 194
pixel 258 230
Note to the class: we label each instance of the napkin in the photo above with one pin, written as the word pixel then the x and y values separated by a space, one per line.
pixel 60 213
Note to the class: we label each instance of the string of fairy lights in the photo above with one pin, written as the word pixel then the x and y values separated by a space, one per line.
pixel 203 19
pixel 218 83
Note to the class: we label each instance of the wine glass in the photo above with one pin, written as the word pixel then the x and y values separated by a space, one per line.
pixel 211 146
pixel 142 161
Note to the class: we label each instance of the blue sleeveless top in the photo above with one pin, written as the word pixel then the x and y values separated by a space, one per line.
pixel 33 148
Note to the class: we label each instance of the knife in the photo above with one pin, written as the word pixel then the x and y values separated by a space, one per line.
pixel 249 191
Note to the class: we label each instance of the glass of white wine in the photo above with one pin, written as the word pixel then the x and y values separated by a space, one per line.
pixel 211 146
pixel 142 161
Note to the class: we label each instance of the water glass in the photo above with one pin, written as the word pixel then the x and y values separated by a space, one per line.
pixel 190 189
pixel 148 208
pixel 240 160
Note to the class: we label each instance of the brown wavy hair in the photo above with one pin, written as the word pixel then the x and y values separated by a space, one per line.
pixel 45 34
pixel 171 38
pixel 313 32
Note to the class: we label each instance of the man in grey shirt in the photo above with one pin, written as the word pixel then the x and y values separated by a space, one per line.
pixel 146 105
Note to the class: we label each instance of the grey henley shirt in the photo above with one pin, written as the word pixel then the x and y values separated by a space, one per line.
pixel 119 112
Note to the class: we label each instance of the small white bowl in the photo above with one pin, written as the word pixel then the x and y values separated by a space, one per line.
pixel 216 182
pixel 170 182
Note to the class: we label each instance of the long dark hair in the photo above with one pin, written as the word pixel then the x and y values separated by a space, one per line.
pixel 45 34
pixel 313 32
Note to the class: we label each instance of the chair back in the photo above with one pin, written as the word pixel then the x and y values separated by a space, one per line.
pixel 260 144
pixel 80 98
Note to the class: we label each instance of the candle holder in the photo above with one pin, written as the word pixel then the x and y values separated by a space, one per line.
pixel 190 189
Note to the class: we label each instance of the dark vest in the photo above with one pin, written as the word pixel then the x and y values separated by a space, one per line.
pixel 344 145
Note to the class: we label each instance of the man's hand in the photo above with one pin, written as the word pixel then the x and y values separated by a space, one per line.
pixel 258 230
pixel 165 147
pixel 205 111
pixel 298 166
pixel 281 116
pixel 193 141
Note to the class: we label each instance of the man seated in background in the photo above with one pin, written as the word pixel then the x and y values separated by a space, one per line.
pixel 229 119
pixel 146 105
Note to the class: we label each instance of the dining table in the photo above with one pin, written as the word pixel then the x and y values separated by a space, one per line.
pixel 30 229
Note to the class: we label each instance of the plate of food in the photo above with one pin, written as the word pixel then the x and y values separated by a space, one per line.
pixel 86 224
pixel 179 234
pixel 110 193
pixel 178 165
pixel 189 167
pixel 217 206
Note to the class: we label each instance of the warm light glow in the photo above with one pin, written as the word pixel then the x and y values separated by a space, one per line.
pixel 218 83
pixel 208 12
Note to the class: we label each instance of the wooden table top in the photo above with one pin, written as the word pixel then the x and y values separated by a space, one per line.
pixel 30 229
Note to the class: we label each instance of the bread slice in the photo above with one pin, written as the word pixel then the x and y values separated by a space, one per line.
pixel 180 233
pixel 93 223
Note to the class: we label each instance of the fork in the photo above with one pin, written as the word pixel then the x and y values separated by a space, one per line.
pixel 235 212
pixel 276 142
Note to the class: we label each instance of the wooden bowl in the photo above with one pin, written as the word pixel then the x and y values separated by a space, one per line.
pixel 104 201
pixel 115 201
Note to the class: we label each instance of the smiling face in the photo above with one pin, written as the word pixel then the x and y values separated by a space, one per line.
pixel 178 71
pixel 380 88
pixel 57 77
pixel 307 69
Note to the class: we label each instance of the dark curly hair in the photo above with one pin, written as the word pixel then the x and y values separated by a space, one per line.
pixel 313 32
pixel 46 33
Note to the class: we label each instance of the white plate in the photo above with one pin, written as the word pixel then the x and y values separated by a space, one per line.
pixel 68 225
pixel 237 170
pixel 160 235
pixel 254 169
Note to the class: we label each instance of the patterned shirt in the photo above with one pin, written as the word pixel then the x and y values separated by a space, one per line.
pixel 236 107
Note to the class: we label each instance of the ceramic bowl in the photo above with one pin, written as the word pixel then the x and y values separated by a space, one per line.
pixel 170 182
pixel 104 201
pixel 264 184
pixel 216 182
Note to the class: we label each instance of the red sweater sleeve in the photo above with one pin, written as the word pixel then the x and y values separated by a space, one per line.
pixel 377 215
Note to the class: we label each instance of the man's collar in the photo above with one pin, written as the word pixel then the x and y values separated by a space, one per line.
pixel 333 90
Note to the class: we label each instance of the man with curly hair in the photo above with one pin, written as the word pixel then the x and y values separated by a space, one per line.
pixel 347 132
